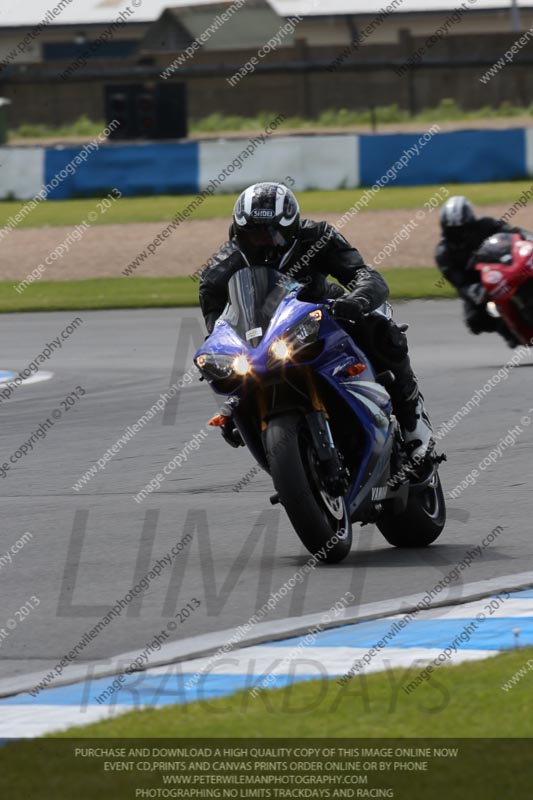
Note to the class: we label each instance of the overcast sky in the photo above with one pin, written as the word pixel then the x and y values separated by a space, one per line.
pixel 31 12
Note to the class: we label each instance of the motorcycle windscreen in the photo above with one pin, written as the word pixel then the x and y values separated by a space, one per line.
pixel 255 294
pixel 496 249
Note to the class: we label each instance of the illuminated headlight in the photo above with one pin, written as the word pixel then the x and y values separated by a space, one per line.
pixel 215 366
pixel 218 367
pixel 241 366
pixel 281 350
pixel 306 331
pixel 296 338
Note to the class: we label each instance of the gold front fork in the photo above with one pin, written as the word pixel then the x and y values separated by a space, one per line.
pixel 262 409
pixel 314 396
pixel 318 405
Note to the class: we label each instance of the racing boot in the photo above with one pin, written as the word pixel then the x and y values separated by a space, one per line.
pixel 408 405
pixel 416 428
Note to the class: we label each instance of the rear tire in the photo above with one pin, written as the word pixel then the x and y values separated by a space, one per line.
pixel 421 523
pixel 316 517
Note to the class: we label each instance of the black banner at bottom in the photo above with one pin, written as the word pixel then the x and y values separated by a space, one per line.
pixel 139 769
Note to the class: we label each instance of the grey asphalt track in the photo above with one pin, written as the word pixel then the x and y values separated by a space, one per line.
pixel 89 547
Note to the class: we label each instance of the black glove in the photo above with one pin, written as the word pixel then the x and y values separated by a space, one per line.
pixel 210 320
pixel 350 308
pixel 476 294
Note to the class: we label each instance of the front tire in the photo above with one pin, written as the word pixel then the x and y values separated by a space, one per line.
pixel 320 520
pixel 421 523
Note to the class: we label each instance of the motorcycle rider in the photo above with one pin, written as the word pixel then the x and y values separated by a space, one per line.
pixel 267 230
pixel 462 234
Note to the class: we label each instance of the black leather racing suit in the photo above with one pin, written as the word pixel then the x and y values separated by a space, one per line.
pixel 456 265
pixel 321 251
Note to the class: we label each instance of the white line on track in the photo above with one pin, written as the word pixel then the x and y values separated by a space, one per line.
pixel 208 644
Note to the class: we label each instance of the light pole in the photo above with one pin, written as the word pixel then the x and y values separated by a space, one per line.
pixel 515 17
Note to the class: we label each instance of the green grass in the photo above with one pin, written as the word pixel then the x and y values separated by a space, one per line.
pixel 447 110
pixel 412 283
pixel 135 292
pixel 99 293
pixel 83 126
pixel 461 701
pixel 163 208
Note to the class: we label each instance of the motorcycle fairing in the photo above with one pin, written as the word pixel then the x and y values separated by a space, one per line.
pixel 366 402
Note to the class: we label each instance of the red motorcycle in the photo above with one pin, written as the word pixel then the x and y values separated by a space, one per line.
pixel 505 263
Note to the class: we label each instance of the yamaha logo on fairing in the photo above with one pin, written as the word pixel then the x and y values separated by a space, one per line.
pixel 263 213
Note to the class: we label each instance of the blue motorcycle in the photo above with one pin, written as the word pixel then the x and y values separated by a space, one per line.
pixel 310 408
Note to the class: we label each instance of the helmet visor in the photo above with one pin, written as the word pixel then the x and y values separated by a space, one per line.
pixel 459 234
pixel 264 243
pixel 258 236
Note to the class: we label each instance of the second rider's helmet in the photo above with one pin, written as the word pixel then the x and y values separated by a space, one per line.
pixel 457 221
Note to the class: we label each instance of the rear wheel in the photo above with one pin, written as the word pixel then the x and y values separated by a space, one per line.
pixel 423 520
pixel 320 520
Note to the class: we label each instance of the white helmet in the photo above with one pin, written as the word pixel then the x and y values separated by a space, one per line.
pixel 266 222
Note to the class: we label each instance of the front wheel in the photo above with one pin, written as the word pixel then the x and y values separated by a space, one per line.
pixel 423 520
pixel 320 520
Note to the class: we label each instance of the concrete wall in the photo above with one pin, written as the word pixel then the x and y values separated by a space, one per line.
pixel 291 80
pixel 227 166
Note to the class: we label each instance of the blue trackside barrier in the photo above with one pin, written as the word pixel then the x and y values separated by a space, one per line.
pixel 458 157
pixel 313 162
pixel 135 169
